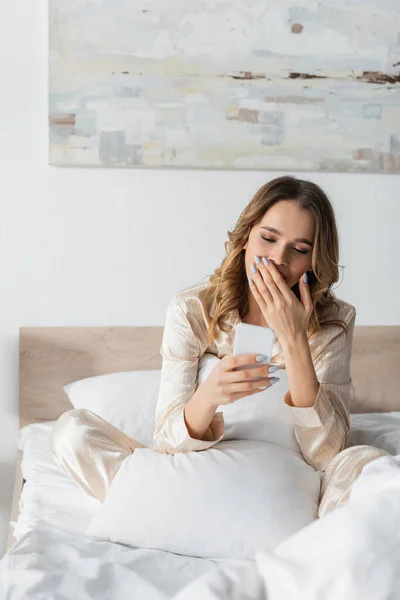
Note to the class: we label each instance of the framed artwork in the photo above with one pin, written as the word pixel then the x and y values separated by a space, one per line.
pixel 212 84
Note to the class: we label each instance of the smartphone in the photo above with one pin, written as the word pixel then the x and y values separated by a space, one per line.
pixel 251 339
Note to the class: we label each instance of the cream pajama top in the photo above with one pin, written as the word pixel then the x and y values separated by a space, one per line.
pixel 322 430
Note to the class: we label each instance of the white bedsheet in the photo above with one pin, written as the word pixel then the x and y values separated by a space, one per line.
pixel 354 552
pixel 59 565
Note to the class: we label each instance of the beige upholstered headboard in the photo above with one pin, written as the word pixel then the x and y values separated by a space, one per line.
pixel 375 368
pixel 50 357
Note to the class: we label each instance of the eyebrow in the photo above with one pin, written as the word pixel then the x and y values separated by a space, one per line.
pixel 273 230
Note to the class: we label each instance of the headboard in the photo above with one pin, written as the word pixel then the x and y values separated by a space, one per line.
pixel 51 357
pixel 375 368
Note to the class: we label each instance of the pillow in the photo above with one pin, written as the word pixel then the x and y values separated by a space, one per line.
pixel 127 400
pixel 262 417
pixel 229 501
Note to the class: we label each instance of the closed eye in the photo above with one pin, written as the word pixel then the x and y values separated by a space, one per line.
pixel 273 241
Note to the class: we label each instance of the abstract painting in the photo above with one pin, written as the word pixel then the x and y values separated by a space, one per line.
pixel 226 84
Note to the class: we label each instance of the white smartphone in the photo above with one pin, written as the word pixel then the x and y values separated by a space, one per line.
pixel 251 339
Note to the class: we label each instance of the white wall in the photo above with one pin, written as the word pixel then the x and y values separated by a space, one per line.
pixel 98 247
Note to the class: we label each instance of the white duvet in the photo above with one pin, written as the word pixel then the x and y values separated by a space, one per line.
pixel 353 553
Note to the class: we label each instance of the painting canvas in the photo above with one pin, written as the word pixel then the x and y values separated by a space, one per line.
pixel 238 84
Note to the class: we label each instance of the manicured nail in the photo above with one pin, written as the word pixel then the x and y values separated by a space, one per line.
pixel 262 388
pixel 273 369
pixel 251 282
pixel 253 268
pixel 257 259
pixel 265 261
pixel 273 380
pixel 305 277
pixel 261 357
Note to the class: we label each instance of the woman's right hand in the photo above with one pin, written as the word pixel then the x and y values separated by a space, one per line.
pixel 225 385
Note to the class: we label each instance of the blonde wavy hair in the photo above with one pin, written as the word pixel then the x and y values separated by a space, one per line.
pixel 229 284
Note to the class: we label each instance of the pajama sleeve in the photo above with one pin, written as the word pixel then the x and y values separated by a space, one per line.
pixel 181 351
pixel 323 430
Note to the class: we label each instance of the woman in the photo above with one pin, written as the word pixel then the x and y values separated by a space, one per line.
pixel 281 262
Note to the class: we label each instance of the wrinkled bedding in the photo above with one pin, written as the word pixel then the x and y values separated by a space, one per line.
pixel 352 553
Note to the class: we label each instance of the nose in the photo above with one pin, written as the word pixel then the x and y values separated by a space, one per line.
pixel 279 258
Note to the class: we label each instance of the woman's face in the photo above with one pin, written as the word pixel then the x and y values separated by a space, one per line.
pixel 285 236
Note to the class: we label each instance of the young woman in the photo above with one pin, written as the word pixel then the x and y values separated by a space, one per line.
pixel 280 265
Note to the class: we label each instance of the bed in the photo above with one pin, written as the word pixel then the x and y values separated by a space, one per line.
pixel 53 357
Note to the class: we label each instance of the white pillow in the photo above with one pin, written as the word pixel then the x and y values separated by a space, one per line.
pixel 229 501
pixel 263 417
pixel 127 400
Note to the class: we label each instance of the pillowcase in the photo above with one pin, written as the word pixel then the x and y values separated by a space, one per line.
pixel 229 501
pixel 262 417
pixel 127 400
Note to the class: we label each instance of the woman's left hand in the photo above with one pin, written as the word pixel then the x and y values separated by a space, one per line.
pixel 284 313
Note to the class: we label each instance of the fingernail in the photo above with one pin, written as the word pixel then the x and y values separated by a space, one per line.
pixel 262 388
pixel 257 259
pixel 265 261
pixel 273 369
pixel 273 380
pixel 305 277
pixel 261 357
pixel 253 268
